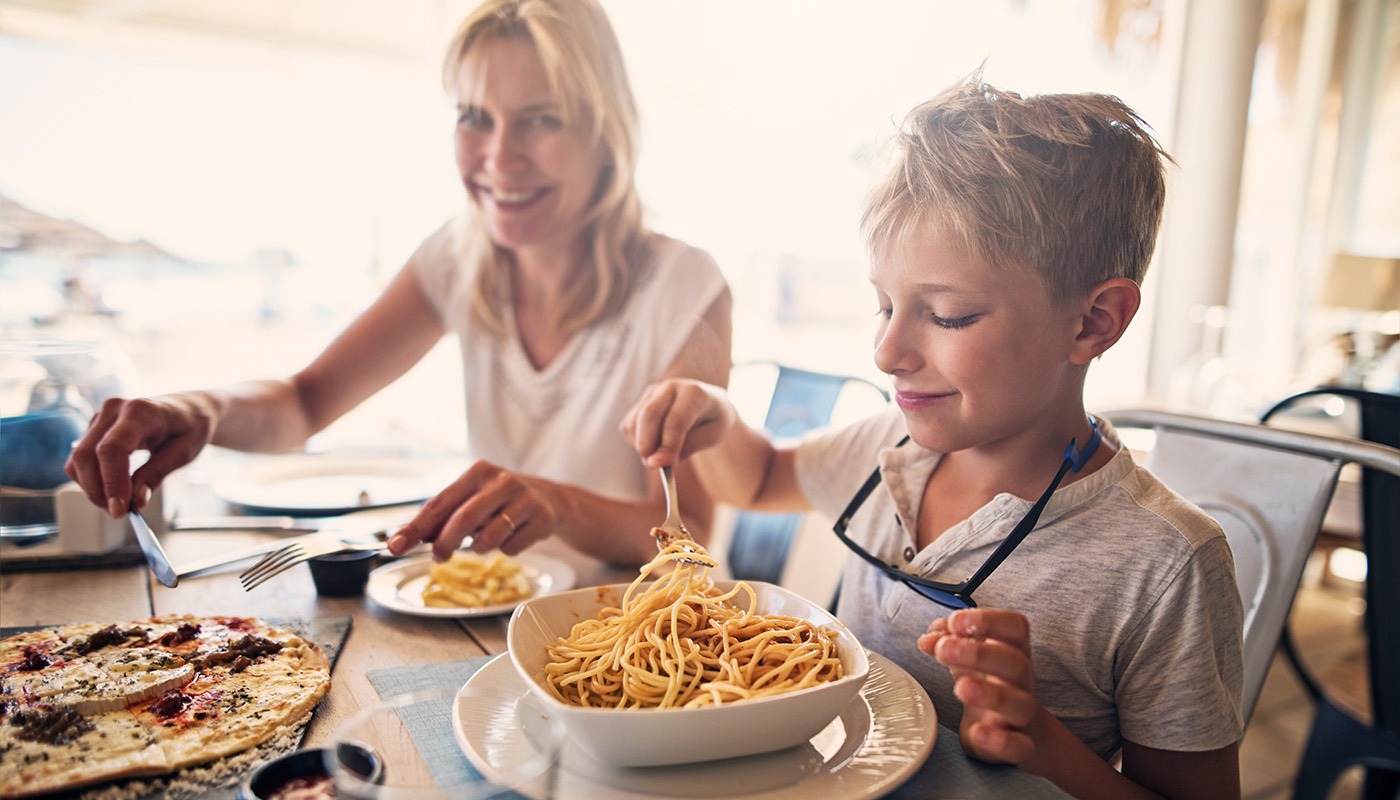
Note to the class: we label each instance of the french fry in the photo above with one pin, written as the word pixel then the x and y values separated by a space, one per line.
pixel 470 581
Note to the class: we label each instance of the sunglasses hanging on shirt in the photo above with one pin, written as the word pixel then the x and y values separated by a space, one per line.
pixel 959 595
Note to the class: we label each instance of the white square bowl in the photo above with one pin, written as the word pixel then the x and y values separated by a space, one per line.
pixel 643 737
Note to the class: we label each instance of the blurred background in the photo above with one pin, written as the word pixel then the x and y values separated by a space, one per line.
pixel 215 188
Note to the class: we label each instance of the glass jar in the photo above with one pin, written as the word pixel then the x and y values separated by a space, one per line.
pixel 49 389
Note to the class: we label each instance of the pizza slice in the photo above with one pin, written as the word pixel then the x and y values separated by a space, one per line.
pixel 22 658
pixel 49 748
pixel 15 648
pixel 209 640
pixel 77 685
pixel 220 714
pixel 86 668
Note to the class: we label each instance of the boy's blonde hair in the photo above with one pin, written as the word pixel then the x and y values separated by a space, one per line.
pixel 583 64
pixel 1069 186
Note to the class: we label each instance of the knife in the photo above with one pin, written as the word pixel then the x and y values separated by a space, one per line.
pixel 235 523
pixel 150 545
pixel 353 523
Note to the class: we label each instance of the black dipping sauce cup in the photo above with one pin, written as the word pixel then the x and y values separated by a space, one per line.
pixel 342 574
pixel 307 765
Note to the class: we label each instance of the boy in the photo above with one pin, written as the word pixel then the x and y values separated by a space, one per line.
pixel 1007 252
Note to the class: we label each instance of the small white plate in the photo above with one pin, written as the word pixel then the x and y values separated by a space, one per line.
pixel 882 737
pixel 399 586
pixel 310 483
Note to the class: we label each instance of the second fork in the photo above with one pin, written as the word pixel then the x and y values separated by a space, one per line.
pixel 303 549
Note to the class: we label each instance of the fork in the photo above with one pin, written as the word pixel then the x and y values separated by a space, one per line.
pixel 303 549
pixel 673 531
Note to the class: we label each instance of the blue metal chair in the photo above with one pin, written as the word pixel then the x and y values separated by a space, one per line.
pixel 1339 738
pixel 801 400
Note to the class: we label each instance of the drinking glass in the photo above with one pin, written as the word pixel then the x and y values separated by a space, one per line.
pixel 416 742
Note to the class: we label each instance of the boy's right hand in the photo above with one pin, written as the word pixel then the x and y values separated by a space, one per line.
pixel 675 418
pixel 173 428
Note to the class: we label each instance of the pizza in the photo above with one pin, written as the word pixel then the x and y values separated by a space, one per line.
pixel 87 703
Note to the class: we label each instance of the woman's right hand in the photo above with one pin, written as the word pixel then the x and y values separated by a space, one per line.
pixel 675 418
pixel 491 508
pixel 173 428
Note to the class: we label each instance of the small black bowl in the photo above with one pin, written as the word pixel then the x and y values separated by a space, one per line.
pixel 342 574
pixel 263 782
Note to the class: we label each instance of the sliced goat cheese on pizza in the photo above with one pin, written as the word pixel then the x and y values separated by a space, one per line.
pixel 67 673
pixel 79 685
pixel 140 673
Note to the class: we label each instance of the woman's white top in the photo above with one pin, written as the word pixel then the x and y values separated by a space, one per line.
pixel 562 422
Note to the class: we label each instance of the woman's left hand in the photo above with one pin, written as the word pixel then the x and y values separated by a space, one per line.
pixel 496 508
pixel 989 654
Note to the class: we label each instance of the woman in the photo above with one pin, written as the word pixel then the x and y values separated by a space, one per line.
pixel 565 306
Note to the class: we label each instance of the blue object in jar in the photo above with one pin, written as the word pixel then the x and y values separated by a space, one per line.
pixel 34 447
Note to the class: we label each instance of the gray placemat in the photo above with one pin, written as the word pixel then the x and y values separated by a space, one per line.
pixel 948 772
pixel 430 723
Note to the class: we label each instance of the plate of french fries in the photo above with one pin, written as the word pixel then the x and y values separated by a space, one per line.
pixel 468 584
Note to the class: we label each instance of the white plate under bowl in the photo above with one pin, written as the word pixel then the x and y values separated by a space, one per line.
pixel 399 586
pixel 878 741
pixel 312 483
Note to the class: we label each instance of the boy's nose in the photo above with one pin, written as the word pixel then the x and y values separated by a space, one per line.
pixel 895 348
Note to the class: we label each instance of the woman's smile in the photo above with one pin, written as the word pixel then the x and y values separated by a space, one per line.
pixel 511 199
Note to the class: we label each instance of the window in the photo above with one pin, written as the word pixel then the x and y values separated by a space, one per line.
pixel 292 164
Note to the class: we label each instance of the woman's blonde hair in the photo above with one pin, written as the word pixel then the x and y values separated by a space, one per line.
pixel 1069 186
pixel 584 67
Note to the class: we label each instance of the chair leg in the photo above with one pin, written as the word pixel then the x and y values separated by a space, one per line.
pixel 1331 749
pixel 1338 741
pixel 1381 784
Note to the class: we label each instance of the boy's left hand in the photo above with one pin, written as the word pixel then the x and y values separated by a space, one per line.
pixel 988 652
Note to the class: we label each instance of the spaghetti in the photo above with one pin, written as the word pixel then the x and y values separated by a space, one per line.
pixel 681 642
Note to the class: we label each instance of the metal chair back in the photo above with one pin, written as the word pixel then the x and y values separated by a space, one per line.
pixel 1339 738
pixel 1269 489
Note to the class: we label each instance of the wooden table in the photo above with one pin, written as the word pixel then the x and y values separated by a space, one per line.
pixel 378 637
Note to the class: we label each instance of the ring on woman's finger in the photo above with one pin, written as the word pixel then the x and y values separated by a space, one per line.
pixel 510 523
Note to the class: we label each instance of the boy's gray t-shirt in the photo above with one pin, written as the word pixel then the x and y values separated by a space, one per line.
pixel 1135 617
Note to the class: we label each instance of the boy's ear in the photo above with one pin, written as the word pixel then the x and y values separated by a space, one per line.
pixel 1106 312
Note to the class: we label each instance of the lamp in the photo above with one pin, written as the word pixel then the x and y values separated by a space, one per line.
pixel 1368 283
pixel 1370 286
